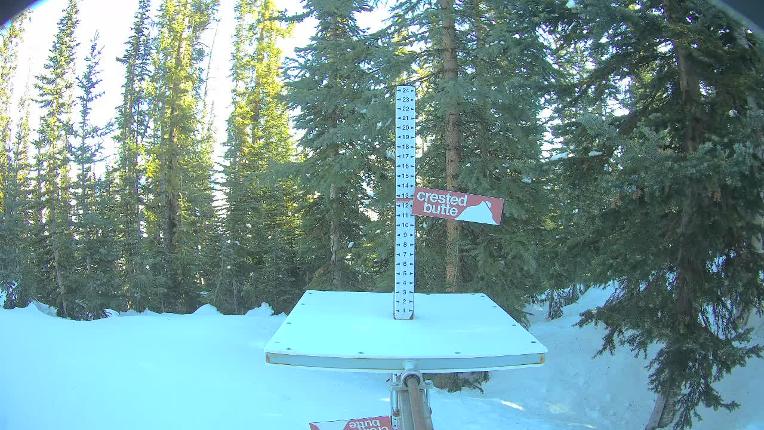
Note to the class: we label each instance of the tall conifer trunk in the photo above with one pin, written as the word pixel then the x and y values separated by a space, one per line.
pixel 133 128
pixel 172 195
pixel 689 267
pixel 334 237
pixel 334 228
pixel 60 280
pixel 453 137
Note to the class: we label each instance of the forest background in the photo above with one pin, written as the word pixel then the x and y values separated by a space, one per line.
pixel 625 137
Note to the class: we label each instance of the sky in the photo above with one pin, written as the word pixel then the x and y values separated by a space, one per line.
pixel 113 21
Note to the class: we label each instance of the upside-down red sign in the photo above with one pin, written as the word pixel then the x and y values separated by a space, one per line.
pixel 375 423
pixel 457 206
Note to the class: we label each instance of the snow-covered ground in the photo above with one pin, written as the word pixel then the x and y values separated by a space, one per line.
pixel 207 371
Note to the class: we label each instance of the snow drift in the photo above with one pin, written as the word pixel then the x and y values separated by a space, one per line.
pixel 206 370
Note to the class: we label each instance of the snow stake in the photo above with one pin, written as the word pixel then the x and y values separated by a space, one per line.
pixel 405 180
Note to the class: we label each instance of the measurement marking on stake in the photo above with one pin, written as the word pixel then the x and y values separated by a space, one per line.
pixel 405 181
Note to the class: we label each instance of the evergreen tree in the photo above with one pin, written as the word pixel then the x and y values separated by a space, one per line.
pixel 481 134
pixel 452 132
pixel 88 289
pixel 9 40
pixel 13 172
pixel 431 26
pixel 17 278
pixel 132 125
pixel 259 257
pixel 180 216
pixel 483 75
pixel 338 93
pixel 54 240
pixel 102 286
pixel 670 144
pixel 228 295
pixel 501 143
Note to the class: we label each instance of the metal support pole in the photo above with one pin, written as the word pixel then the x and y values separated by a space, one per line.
pixel 401 416
pixel 410 402
pixel 420 411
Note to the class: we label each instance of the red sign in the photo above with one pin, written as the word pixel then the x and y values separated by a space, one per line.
pixel 457 206
pixel 375 423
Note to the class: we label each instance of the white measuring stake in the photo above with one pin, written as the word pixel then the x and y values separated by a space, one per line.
pixel 405 180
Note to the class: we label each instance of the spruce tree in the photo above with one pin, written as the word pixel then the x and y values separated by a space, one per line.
pixel 54 240
pixel 675 180
pixel 340 94
pixel 484 74
pixel 502 137
pixel 228 295
pixel 180 216
pixel 9 40
pixel 17 279
pixel 452 133
pixel 132 126
pixel 13 172
pixel 434 32
pixel 88 288
pixel 102 286
pixel 261 224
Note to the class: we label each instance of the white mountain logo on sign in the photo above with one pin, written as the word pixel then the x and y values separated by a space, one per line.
pixel 479 213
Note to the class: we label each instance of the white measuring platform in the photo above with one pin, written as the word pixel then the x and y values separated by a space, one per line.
pixel 353 331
